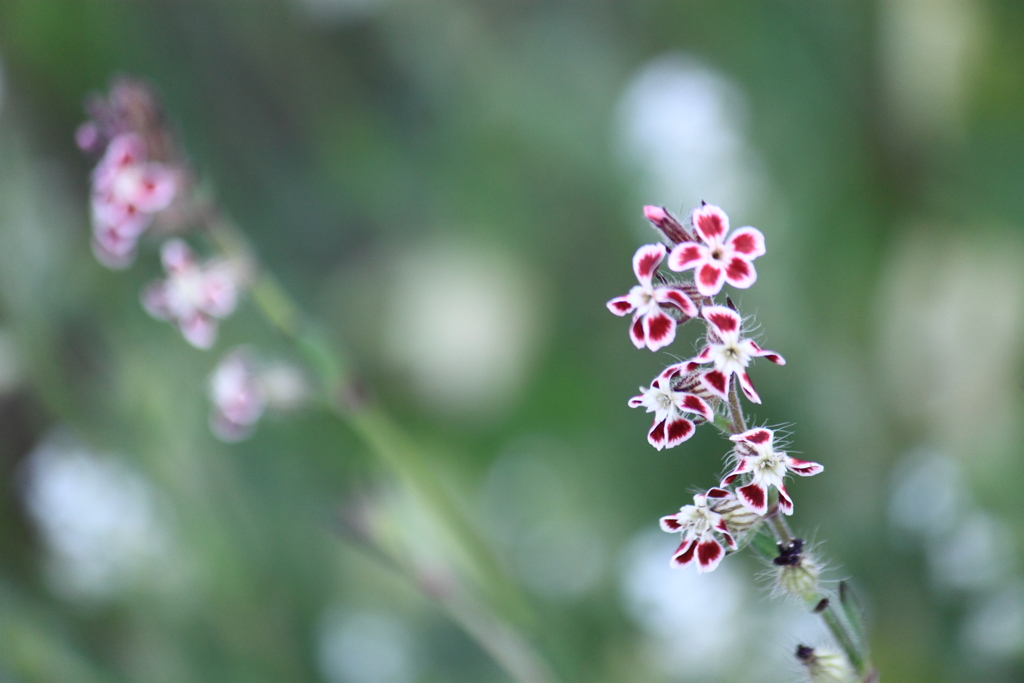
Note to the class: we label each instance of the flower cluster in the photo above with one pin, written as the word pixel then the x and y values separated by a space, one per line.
pixel 141 180
pixel 702 389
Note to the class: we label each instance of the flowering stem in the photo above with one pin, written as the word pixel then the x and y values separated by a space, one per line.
pixel 841 630
pixel 739 423
pixel 385 439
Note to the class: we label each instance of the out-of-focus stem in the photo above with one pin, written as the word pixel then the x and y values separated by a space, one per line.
pixel 386 440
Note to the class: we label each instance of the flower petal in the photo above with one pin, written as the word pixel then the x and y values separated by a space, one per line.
pixel 646 261
pixel 199 330
pixel 636 331
pixel 659 329
pixel 785 502
pixel 176 256
pixel 621 305
pixel 688 255
pixel 759 436
pixel 717 493
pixel 711 223
pixel 717 382
pixel 154 300
pixel 740 273
pixel 804 468
pixel 772 356
pixel 155 188
pixel 709 554
pixel 674 370
pixel 656 436
pixel 748 387
pixel 676 297
pixel 709 279
pixel 742 467
pixel 219 294
pixel 678 431
pixel 684 553
pixel 725 320
pixel 754 497
pixel 691 403
pixel 723 529
pixel 637 401
pixel 747 242
pixel 670 523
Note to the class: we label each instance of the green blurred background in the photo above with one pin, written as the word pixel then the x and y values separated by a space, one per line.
pixel 454 189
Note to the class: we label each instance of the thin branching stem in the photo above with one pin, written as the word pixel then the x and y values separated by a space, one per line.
pixel 479 618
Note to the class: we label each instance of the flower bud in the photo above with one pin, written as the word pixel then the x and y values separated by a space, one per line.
pixel 824 665
pixel 797 572
pixel 668 225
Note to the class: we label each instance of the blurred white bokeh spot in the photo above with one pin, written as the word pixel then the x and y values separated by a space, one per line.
pixel 976 553
pixel 944 363
pixel 462 322
pixel 683 127
pixel 690 619
pixel 927 493
pixel 714 626
pixel 365 647
pixel 994 625
pixel 553 547
pixel 102 522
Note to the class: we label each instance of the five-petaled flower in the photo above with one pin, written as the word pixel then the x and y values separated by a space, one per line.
pixel 719 259
pixel 127 190
pixel 652 326
pixel 698 524
pixel 193 296
pixel 766 467
pixel 670 428
pixel 730 353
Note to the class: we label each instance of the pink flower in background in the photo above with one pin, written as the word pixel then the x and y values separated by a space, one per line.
pixel 699 525
pixel 652 326
pixel 127 190
pixel 670 428
pixel 766 467
pixel 193 296
pixel 237 396
pixel 731 354
pixel 719 259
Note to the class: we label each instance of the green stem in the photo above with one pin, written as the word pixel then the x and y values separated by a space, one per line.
pixel 396 451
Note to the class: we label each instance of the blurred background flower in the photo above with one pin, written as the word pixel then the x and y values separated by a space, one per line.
pixel 454 189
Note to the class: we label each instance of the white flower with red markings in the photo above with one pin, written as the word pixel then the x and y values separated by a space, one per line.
pixel 670 427
pixel 700 526
pixel 652 326
pixel 193 296
pixel 766 467
pixel 730 353
pixel 720 259
pixel 127 190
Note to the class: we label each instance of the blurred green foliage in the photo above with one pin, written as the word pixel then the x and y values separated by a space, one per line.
pixel 339 134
